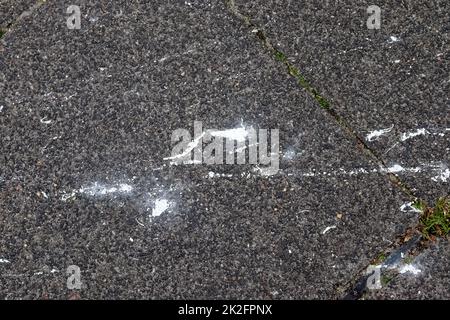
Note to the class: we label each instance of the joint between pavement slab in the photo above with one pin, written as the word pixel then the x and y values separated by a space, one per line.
pixel 353 289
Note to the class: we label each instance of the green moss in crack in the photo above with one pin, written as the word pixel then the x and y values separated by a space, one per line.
pixel 380 259
pixel 435 222
pixel 293 71
pixel 408 260
pixel 280 56
pixel 323 102
pixel 419 205
pixel 384 279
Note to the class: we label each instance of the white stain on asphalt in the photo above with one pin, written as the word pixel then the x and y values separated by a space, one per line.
pixel 212 174
pixel 160 206
pixel 238 134
pixel 188 150
pixel 376 134
pixel 409 268
pixel 412 134
pixel 328 229
pixel 437 172
pixel 443 176
pixel 396 168
pixel 408 207
pixel 45 121
pixel 98 189
pixel 393 39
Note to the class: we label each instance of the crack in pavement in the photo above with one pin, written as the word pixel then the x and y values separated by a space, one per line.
pixel 24 14
pixel 352 289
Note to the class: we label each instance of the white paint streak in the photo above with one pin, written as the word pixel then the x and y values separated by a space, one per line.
pixel 412 134
pixel 409 268
pixel 408 207
pixel 238 134
pixel 376 134
pixel 328 229
pixel 4 261
pixel 98 189
pixel 44 121
pixel 67 196
pixel 393 39
pixel 219 175
pixel 189 148
pixel 443 176
pixel 101 190
pixel 161 205
pixel 396 168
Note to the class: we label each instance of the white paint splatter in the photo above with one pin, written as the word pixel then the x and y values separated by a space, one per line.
pixel 266 171
pixel 443 176
pixel 219 175
pixel 328 229
pixel 66 196
pixel 101 190
pixel 44 121
pixel 160 206
pixel 393 39
pixel 409 268
pixel 408 207
pixel 188 162
pixel 238 134
pixel 97 189
pixel 396 168
pixel 4 261
pixel 188 150
pixel 356 171
pixel 412 134
pixel 376 134
pixel 289 154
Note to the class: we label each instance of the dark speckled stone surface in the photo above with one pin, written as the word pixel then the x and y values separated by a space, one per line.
pixel 11 10
pixel 86 120
pixel 424 277
pixel 394 79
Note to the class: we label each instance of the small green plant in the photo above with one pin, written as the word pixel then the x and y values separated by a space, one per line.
pixel 323 102
pixel 293 71
pixel 408 260
pixel 2 32
pixel 280 56
pixel 419 205
pixel 385 280
pixel 380 259
pixel 435 222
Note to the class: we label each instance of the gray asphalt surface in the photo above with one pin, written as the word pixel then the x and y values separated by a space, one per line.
pixel 86 118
